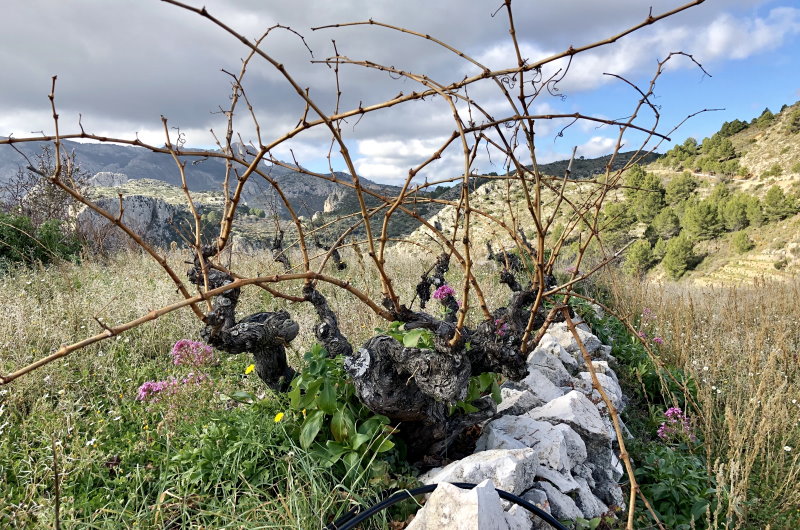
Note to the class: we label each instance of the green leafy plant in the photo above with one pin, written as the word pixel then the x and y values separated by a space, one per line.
pixel 677 484
pixel 412 338
pixel 335 426
pixel 479 385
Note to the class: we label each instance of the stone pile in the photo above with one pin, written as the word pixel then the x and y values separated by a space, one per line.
pixel 554 443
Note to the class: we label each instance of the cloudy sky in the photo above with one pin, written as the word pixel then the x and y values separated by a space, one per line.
pixel 121 64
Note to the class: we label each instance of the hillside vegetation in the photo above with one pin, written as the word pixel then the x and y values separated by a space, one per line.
pixel 725 207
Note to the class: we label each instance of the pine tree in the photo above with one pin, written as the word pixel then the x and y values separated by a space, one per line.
pixel 679 256
pixel 680 188
pixel 666 224
pixel 700 220
pixel 638 258
pixel 649 200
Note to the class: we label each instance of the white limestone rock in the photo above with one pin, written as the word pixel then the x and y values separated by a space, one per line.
pixel 602 367
pixel 557 446
pixel 563 335
pixel 476 509
pixel 511 470
pixel 590 505
pixel 517 401
pixel 548 362
pixel 561 506
pixel 539 499
pixel 550 346
pixel 610 386
pixel 561 480
pixel 540 386
pixel 575 410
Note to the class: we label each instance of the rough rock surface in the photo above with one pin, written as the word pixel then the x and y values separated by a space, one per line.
pixel 149 217
pixel 477 509
pixel 552 439
pixel 511 470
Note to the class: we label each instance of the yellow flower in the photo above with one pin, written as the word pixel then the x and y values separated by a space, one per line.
pixel 278 417
pixel 249 369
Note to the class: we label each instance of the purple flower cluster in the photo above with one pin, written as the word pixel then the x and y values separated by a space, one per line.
pixel 443 292
pixel 192 353
pixel 677 425
pixel 658 340
pixel 501 327
pixel 153 390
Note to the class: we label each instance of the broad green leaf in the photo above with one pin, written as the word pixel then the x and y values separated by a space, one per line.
pixel 335 450
pixel 358 439
pixel 327 398
pixel 466 407
pixel 310 428
pixel 412 338
pixel 294 397
pixel 496 395
pixel 243 396
pixel 370 427
pixel 342 425
pixel 351 460
pixel 385 445
pixel 484 380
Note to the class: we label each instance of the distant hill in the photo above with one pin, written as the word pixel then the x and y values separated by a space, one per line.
pixel 592 167
pixel 308 194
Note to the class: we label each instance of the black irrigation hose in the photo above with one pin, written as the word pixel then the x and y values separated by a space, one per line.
pixel 351 519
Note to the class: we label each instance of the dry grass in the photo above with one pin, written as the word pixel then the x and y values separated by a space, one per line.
pixel 741 345
pixel 56 305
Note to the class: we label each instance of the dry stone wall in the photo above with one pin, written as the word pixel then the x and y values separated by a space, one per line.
pixel 553 444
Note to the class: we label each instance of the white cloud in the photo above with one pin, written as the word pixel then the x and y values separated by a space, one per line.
pixel 728 37
pixel 597 146
pixel 163 60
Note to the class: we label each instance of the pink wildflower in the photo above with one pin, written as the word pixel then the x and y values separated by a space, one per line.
pixel 192 353
pixel 501 327
pixel 443 292
pixel 154 390
pixel 658 340
pixel 677 425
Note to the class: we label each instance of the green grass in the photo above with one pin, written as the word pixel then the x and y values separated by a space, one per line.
pixel 195 459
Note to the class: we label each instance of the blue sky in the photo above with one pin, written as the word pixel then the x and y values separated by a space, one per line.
pixel 122 65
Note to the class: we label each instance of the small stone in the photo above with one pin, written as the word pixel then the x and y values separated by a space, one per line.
pixel 516 401
pixel 561 480
pixel 602 367
pixel 561 506
pixel 590 505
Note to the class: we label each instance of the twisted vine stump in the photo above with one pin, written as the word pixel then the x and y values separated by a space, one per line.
pixel 264 335
pixel 414 387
